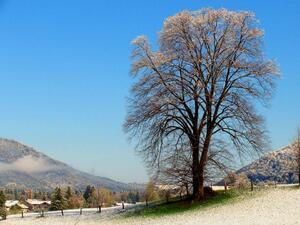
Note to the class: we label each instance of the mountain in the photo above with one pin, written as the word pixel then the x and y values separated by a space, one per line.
pixel 279 166
pixel 23 167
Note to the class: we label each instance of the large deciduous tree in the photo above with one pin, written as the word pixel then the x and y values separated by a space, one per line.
pixel 200 85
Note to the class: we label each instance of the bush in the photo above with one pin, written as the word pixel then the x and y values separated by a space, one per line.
pixel 150 193
pixel 239 181
pixel 75 202
pixel 165 194
pixel 242 181
pixel 15 209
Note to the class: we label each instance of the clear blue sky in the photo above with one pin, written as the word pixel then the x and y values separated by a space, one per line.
pixel 64 74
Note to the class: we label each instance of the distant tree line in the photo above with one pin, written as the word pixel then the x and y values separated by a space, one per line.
pixel 68 198
pixel 91 197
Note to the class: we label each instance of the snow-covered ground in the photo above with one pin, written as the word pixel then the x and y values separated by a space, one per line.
pixel 71 216
pixel 75 212
pixel 272 207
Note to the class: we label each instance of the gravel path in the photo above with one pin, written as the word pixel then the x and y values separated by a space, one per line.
pixel 276 207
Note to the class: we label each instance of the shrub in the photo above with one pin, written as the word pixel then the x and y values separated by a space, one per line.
pixel 242 181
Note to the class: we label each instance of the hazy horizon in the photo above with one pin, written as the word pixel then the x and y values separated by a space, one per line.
pixel 64 69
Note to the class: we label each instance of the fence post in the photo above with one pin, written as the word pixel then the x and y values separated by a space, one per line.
pixel 99 208
pixel 225 185
pixel 22 214
pixel 123 206
pixel 251 185
pixel 80 212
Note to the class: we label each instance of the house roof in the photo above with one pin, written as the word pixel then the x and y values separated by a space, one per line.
pixel 37 202
pixel 11 203
pixel 22 206
pixel 165 187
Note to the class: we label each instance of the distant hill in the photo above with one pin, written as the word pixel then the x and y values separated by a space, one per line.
pixel 274 166
pixel 23 167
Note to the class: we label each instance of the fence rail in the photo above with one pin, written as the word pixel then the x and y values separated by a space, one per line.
pixel 77 212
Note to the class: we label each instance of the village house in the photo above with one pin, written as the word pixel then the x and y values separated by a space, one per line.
pixel 38 205
pixel 15 205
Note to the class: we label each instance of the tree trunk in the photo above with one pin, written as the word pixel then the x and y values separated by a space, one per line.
pixel 201 183
pixel 202 163
pixel 196 175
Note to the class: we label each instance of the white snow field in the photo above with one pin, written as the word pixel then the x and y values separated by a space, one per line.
pixel 273 207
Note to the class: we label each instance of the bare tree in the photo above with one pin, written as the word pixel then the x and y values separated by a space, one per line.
pixel 200 84
pixel 176 170
pixel 150 193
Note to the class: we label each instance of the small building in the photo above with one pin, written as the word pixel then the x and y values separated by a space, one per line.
pixel 38 205
pixel 15 205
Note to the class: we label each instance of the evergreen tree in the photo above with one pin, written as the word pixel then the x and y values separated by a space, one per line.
pixel 87 193
pixel 44 196
pixel 16 194
pixel 69 193
pixel 69 197
pixel 2 205
pixel 2 199
pixel 22 197
pixel 137 197
pixel 131 197
pixel 58 201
